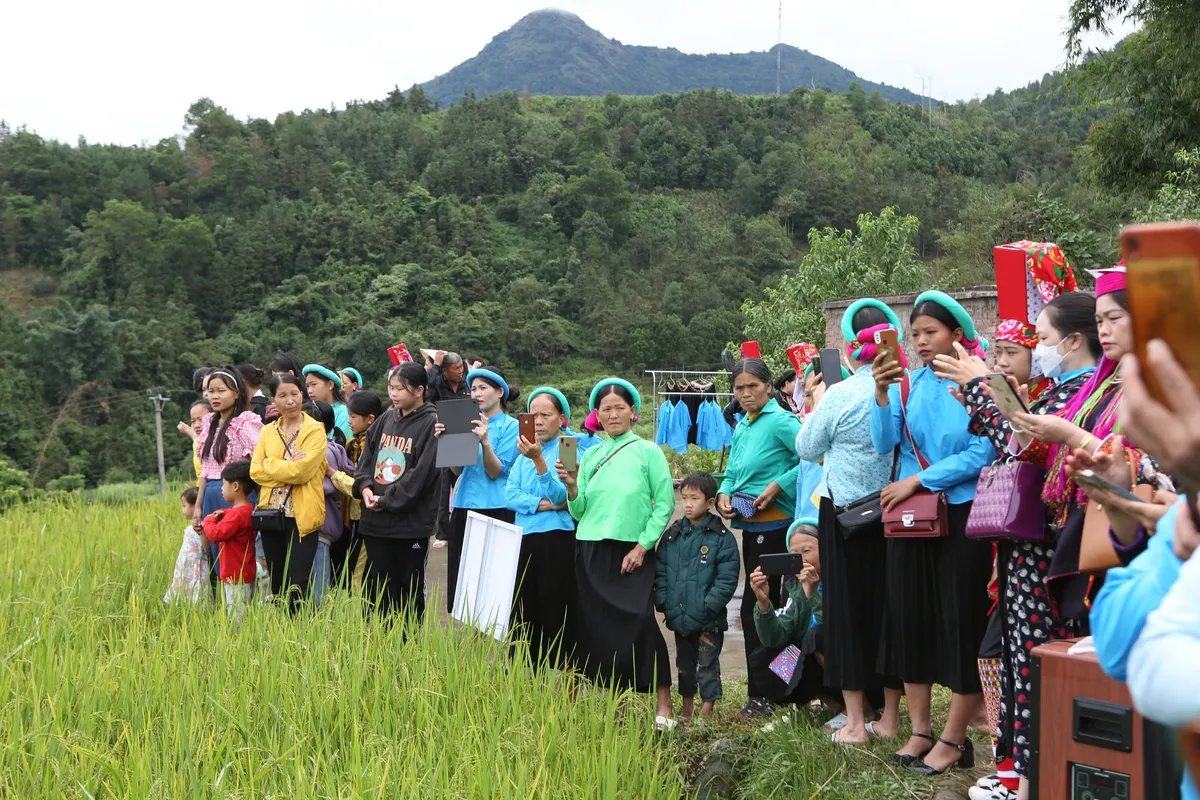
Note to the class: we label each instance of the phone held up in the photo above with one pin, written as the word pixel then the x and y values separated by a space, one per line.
pixel 568 453
pixel 888 342
pixel 832 358
pixel 781 563
pixel 525 428
pixel 1002 393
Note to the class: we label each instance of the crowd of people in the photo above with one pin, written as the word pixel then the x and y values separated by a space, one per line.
pixel 872 479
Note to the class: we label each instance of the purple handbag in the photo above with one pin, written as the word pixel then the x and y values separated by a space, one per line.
pixel 1008 503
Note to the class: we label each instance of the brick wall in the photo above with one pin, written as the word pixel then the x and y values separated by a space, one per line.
pixel 979 302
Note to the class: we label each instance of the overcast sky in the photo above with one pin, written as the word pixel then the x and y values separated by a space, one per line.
pixel 127 71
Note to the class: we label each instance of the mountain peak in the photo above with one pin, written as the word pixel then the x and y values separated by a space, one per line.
pixel 554 52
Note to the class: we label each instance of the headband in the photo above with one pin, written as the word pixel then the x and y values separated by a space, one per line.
pixel 1109 280
pixel 356 375
pixel 848 332
pixel 810 521
pixel 220 372
pixel 972 341
pixel 624 384
pixel 488 375
pixel 324 372
pixel 1017 332
pixel 556 394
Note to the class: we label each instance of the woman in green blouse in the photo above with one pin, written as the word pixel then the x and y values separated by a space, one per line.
pixel 622 498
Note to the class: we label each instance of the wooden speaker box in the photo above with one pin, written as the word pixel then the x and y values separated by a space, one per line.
pixel 1088 741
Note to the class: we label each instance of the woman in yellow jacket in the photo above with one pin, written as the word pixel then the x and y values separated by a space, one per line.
pixel 289 467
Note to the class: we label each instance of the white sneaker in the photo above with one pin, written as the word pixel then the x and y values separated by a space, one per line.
pixel 998 793
pixel 837 723
pixel 989 782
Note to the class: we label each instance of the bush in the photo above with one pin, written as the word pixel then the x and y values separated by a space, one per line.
pixel 66 483
pixel 43 286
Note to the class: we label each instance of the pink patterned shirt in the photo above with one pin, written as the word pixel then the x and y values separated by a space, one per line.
pixel 242 435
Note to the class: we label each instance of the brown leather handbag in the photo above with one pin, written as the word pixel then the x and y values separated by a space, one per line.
pixel 1096 551
pixel 925 515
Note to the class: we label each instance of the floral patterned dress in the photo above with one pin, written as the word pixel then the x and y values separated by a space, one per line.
pixel 189 582
pixel 1028 618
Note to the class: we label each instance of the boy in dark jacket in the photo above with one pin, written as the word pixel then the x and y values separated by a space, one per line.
pixel 695 578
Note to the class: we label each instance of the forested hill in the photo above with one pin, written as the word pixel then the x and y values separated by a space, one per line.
pixel 555 53
pixel 560 238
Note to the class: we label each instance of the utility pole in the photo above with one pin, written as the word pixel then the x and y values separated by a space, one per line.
pixel 158 401
pixel 779 55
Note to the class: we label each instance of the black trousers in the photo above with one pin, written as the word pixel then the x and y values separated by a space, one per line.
pixel 545 600
pixel 454 544
pixel 758 680
pixel 342 555
pixel 290 561
pixel 395 575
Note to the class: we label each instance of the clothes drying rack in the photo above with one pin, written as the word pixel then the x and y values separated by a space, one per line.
pixel 661 375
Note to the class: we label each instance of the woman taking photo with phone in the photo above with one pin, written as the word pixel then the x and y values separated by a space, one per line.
pixel 545 581
pixel 622 499
pixel 1064 347
pixel 937 600
pixel 761 479
pixel 480 486
pixel 838 432
pixel 396 481
pixel 289 467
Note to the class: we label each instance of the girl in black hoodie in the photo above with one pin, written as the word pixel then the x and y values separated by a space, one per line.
pixel 397 483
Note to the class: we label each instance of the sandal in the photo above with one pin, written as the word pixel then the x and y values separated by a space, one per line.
pixel 834 738
pixel 966 759
pixel 664 724
pixel 905 760
pixel 872 732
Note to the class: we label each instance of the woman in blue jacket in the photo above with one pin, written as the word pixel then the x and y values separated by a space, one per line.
pixel 481 485
pixel 546 571
pixel 937 600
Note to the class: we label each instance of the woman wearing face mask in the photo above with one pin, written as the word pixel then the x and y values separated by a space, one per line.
pixel 622 498
pixel 1065 348
pixel 937 600
pixel 763 465
pixel 481 485
pixel 545 583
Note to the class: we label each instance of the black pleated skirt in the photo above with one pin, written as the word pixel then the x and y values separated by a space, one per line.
pixel 853 589
pixel 937 607
pixel 617 640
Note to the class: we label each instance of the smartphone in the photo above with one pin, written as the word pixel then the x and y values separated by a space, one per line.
pixel 1008 401
pixel 1163 276
pixel 833 358
pixel 525 423
pixel 816 365
pixel 1093 481
pixel 568 453
pixel 887 341
pixel 781 563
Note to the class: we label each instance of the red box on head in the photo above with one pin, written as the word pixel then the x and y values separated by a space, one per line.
pixel 750 350
pixel 1028 276
pixel 399 354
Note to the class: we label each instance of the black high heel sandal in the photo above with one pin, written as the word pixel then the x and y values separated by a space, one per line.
pixel 905 760
pixel 966 759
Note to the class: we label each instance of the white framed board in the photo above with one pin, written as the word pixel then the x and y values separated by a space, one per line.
pixel 487 574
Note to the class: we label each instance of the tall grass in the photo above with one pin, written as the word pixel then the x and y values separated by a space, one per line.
pixel 106 692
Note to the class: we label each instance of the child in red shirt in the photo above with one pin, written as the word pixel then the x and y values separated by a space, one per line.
pixel 232 529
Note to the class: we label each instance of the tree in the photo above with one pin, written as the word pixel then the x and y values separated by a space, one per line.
pixel 879 259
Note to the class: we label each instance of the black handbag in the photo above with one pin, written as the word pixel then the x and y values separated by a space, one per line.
pixel 860 514
pixel 273 520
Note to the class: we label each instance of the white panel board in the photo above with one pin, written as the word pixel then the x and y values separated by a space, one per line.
pixel 487 574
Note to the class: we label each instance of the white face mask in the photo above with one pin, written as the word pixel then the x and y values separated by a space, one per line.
pixel 1047 360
